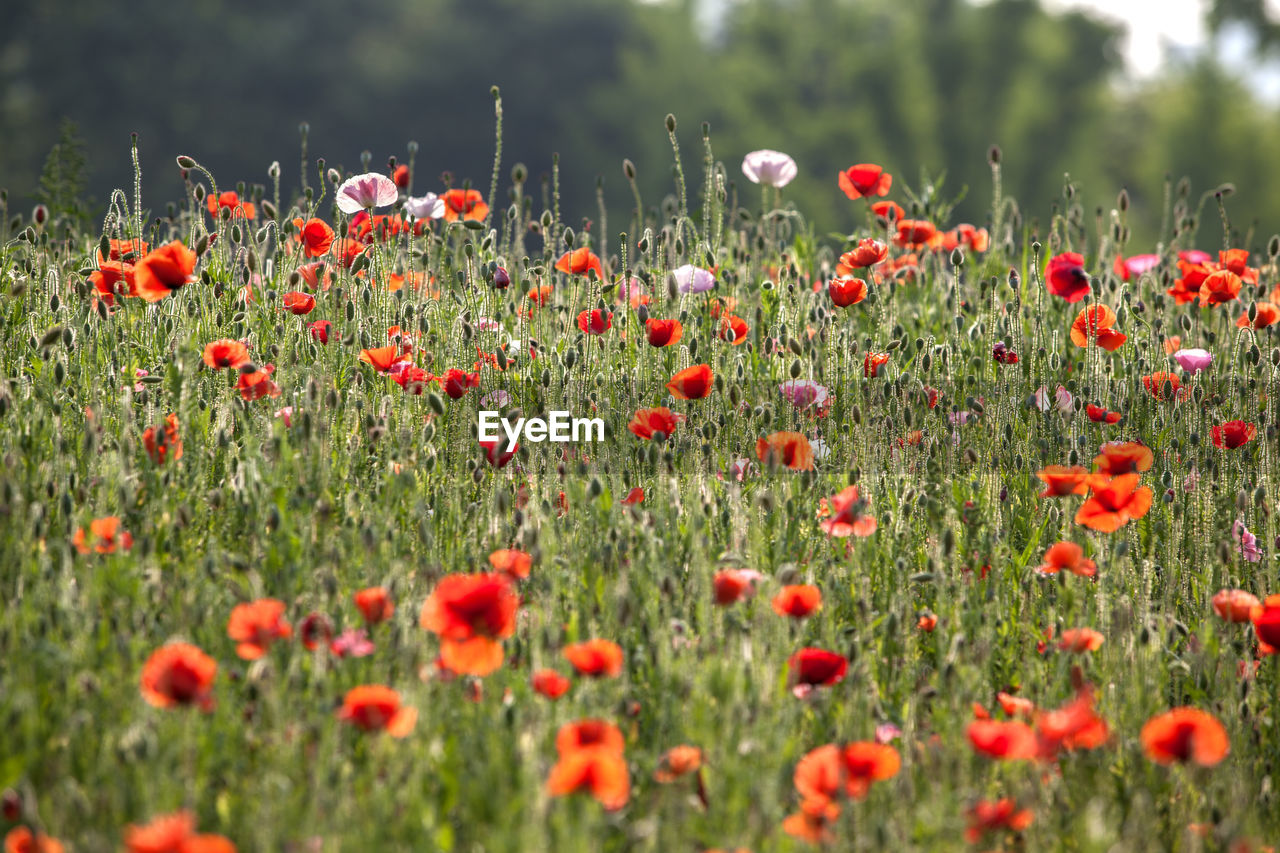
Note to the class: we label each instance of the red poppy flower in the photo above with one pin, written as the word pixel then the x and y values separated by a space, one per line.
pixel 872 363
pixel 345 251
pixel 400 177
pixel 1065 276
pixel 663 333
pixel 589 733
pixel 1067 557
pixel 1114 502
pixel 676 762
pixel 797 601
pixel 514 564
pixel 843 515
pixel 1266 314
pixel 496 452
pixel 1185 735
pixel 996 816
pixel 833 772
pixel 1233 434
pixel 1219 287
pixel 648 422
pixel 320 330
pixel 1266 623
pixel 813 822
pixel 179 674
pixel 164 834
pixel 1007 740
pixel 298 303
pixel 1098 414
pixel 634 496
pixel 550 683
pixel 847 291
pixel 580 262
pixel 788 449
pixel 597 321
pixel 104 536
pixel 464 204
pixel 375 604
pixel 1123 457
pixel 1127 268
pixel 314 235
pixel 164 270
pixel 927 622
pixel 868 252
pixel 118 250
pixel 112 279
pixel 374 707
pixel 456 383
pixel 812 667
pixel 164 443
pixel 890 210
pixel 595 658
pixel 1235 605
pixel 1060 480
pixel 1080 640
pixel 383 358
pixel 231 201
pixel 470 613
pixel 1015 705
pixel 731 585
pixel 915 232
pixel 256 625
pixel 733 329
pixel 596 770
pixel 314 631
pixel 1156 384
pixel 256 384
pixel 20 839
pixel 410 377
pixel 865 179
pixel 1094 324
pixel 692 383
pixel 225 353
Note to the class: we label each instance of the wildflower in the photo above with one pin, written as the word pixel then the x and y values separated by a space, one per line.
pixel 230 200
pixel 382 358
pixel 375 604
pixel 833 772
pixel 318 275
pixel 1246 541
pixel 1005 740
pixel 1068 557
pixel 514 564
pixel 648 423
pixel 225 353
pixel 1233 435
pixel 580 262
pixel 888 210
pixel 163 444
pixel 550 683
pixel 634 496
pixel 1185 735
pixel 797 601
pixel 1193 360
pixel 1123 457
pixel 497 453
pixel 788 449
pixel 1165 386
pixel 771 168
pixel 1265 314
pixel 865 179
pixel 464 204
pixel 298 303
pixel 1266 623
pixel 256 384
pixel 1235 605
pixel 812 823
pixel 805 394
pixel 123 250
pixel 470 614
pixel 597 321
pixel 1002 354
pixel 112 279
pixel 1221 286
pixel 1060 480
pixel 692 383
pixel 678 761
pixel 365 192
pixel 811 667
pixel 256 625
pixel 1094 324
pixel 597 770
pixel 1098 414
pixel 20 839
pixel 988 816
pixel 164 834
pixel 733 329
pixel 732 585
pixel 352 643
pixel 1080 640
pixel 867 253
pixel 164 270
pixel 104 536
pixel 429 206
pixel 927 622
pixel 179 674
pixel 1128 268
pixel 314 235
pixel 915 233
pixel 373 707
pixel 595 658
pixel 314 631
pixel 1114 502
pixel 691 279
pixel 1065 276
pixel 456 383
pixel 663 333
pixel 846 510
pixel 846 291
pixel 872 363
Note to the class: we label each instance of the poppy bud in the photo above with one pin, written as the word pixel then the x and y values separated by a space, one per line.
pixel 993 155
pixel 671 123
pixel 1273 246
pixel 957 257
pixel 185 162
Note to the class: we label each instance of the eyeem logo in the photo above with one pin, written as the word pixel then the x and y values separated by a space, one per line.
pixel 560 427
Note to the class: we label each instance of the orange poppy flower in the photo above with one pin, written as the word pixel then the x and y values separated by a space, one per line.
pixel 889 210
pixel 692 383
pixel 797 601
pixel 375 604
pixel 1266 623
pixel 112 279
pixel 314 235
pixel 1156 384
pixel 1008 740
pixel 1067 557
pixel 1080 640
pixel 104 536
pixel 1015 705
pixel 164 270
pixel 164 834
pixel 597 770
pixel 373 707
pixel 1185 735
pixel 1123 457
pixel 207 844
pixel 868 252
pixel 733 329
pixel 927 622
pixel 1060 480
pixel 383 358
pixel 663 333
pixel 676 762
pixel 255 625
pixel 470 613
pixel 864 179
pixel 1267 314
pixel 1235 605
pixel 813 822
pixel 788 449
pixel 464 204
pixel 225 353
pixel 178 674
pixel 514 564
pixel 845 510
pixel 20 839
pixel 993 816
pixel 1094 324
pixel 1114 502
pixel 595 658
pixel 732 585
pixel 118 249
pixel 832 772
pixel 1219 287
pixel 873 362
pixel 1172 344
pixel 915 232
pixel 1233 434
pixel 298 303
pixel 231 201
pixel 345 251
pixel 846 291
pixel 648 422
pixel 1073 726
pixel 536 298
pixel 550 683
pixel 580 262
pixel 588 734
pixel 256 384
pixel 164 443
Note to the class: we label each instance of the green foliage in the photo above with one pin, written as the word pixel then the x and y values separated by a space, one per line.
pixel 63 179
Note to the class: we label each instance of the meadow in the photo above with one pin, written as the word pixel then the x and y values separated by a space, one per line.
pixel 922 536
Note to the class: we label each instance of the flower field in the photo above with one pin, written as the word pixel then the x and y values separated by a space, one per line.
pixel 923 535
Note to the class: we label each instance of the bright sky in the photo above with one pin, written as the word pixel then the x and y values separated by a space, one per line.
pixel 1151 24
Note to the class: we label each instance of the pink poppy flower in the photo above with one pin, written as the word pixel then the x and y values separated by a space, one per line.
pixel 352 643
pixel 693 279
pixel 772 168
pixel 1193 361
pixel 365 192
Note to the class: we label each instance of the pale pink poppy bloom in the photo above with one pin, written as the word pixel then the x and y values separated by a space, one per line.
pixel 1193 360
pixel 352 643
pixel 1190 482
pixel 693 279
pixel 285 414
pixel 772 168
pixel 495 399
pixel 365 192
pixel 1247 542
pixel 429 206
pixel 805 393
pixel 886 732
pixel 487 324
